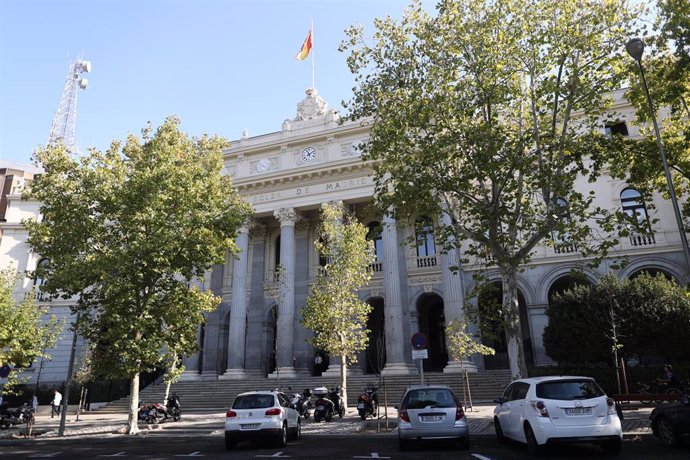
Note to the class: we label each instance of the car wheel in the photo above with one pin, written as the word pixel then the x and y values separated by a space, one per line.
pixel 612 447
pixel 282 439
pixel 534 448
pixel 298 431
pixel 404 445
pixel 464 443
pixel 666 432
pixel 230 443
pixel 674 392
pixel 499 432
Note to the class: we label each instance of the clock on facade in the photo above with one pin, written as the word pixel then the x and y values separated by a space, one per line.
pixel 263 165
pixel 308 154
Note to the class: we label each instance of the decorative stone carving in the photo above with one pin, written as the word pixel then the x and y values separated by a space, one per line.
pixel 302 225
pixel 286 216
pixel 257 232
pixel 287 125
pixel 311 107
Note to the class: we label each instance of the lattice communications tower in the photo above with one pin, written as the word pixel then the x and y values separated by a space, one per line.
pixel 62 130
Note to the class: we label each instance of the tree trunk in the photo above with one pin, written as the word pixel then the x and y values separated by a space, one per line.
pixel 132 423
pixel 513 330
pixel 343 379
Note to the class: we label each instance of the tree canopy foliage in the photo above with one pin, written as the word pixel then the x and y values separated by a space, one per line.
pixel 26 329
pixel 652 315
pixel 489 113
pixel 666 63
pixel 334 311
pixel 128 232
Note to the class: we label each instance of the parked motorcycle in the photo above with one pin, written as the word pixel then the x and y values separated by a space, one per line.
pixel 367 403
pixel 323 407
pixel 302 403
pixel 337 400
pixel 14 417
pixel 151 413
pixel 172 408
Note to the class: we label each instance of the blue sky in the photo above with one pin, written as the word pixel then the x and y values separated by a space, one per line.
pixel 221 66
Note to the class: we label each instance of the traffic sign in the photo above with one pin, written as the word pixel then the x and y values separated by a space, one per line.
pixel 419 341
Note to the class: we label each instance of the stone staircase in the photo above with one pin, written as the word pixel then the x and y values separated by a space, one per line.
pixel 218 395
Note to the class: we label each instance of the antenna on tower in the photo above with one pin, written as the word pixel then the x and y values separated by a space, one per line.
pixel 62 129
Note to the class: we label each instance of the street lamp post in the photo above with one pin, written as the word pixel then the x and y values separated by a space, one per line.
pixel 635 48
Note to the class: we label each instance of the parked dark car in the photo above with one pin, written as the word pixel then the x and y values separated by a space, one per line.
pixel 671 423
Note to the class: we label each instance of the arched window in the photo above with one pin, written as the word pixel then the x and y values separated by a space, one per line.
pixel 39 277
pixel 633 206
pixel 425 238
pixel 375 234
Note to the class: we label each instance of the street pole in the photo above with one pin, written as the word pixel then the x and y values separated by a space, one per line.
pixel 65 397
pixel 635 48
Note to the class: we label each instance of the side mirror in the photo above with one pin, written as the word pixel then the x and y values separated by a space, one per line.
pixel 498 400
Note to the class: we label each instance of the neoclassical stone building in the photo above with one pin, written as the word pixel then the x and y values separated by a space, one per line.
pixel 287 175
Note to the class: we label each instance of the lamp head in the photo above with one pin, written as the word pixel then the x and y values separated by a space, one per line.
pixel 635 48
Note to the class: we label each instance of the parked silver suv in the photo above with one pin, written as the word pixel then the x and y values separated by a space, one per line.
pixel 431 412
pixel 261 414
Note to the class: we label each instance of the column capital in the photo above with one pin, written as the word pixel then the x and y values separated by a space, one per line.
pixel 286 216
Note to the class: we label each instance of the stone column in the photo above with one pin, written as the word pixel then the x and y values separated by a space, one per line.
pixel 286 303
pixel 238 308
pixel 453 298
pixel 395 345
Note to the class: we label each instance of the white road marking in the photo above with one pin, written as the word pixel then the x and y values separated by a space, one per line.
pixel 119 454
pixel 373 455
pixel 481 457
pixel 193 454
pixel 276 455
pixel 45 455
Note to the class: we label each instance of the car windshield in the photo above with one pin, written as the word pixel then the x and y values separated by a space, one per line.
pixel 435 397
pixel 253 402
pixel 569 390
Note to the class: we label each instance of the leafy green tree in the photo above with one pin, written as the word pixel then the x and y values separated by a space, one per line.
pixel 488 113
pixel 462 344
pixel 26 330
pixel 645 316
pixel 666 62
pixel 334 311
pixel 127 231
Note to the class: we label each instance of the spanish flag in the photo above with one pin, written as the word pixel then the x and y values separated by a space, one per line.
pixel 306 47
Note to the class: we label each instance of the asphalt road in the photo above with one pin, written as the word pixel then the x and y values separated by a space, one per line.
pixel 309 447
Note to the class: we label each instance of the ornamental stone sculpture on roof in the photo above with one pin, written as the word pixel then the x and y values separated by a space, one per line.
pixel 311 107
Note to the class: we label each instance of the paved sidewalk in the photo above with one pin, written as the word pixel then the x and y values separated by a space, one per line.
pixel 635 423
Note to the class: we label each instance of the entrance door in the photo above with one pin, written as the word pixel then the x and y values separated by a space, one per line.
pixel 432 323
pixel 376 349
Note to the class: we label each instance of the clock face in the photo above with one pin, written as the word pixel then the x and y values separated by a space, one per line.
pixel 263 165
pixel 308 154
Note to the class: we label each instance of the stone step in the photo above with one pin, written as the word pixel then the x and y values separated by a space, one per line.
pixel 219 394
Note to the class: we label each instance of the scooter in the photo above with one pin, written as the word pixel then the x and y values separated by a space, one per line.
pixel 337 400
pixel 323 407
pixel 367 403
pixel 302 403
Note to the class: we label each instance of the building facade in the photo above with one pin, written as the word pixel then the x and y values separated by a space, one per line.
pixel 287 176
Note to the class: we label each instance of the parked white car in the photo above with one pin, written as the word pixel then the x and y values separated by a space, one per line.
pixel 542 411
pixel 259 415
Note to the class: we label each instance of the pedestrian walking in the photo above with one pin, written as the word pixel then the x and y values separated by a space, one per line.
pixel 55 405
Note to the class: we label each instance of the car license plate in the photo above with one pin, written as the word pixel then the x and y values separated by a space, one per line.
pixel 360 406
pixel 250 426
pixel 431 418
pixel 578 411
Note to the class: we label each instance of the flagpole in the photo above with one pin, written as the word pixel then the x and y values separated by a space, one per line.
pixel 313 73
